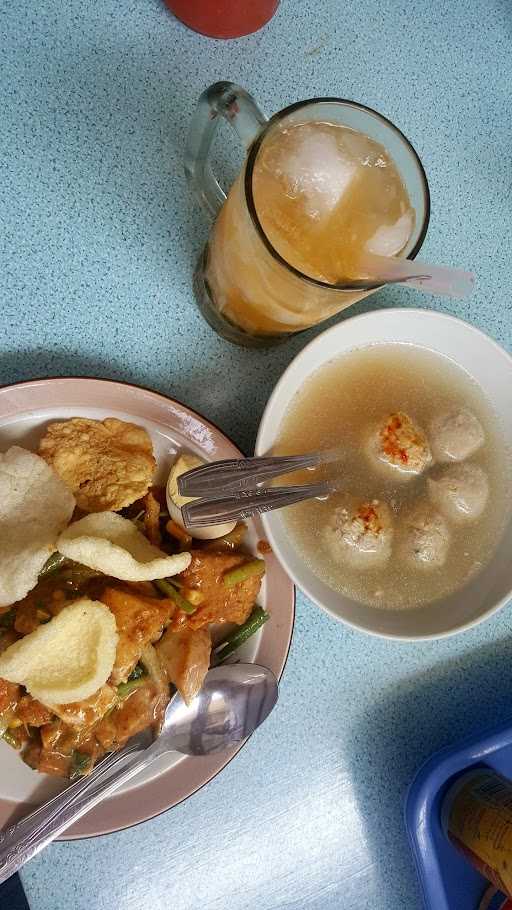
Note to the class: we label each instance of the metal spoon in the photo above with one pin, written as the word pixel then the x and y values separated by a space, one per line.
pixel 234 700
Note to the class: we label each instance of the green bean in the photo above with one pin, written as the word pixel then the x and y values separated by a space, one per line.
pixel 166 587
pixel 80 764
pixel 240 635
pixel 241 573
pixel 137 672
pixel 7 619
pixel 126 688
pixel 52 565
pixel 230 541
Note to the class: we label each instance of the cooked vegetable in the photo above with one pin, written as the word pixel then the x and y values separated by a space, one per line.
pixel 52 565
pixel 11 738
pixel 175 530
pixel 7 619
pixel 241 573
pixel 193 596
pixel 140 620
pixel 156 674
pixel 80 764
pixel 152 519
pixel 43 615
pixel 166 587
pixel 230 541
pixel 239 636
pixel 221 604
pixel 186 658
pixel 129 686
pixel 134 681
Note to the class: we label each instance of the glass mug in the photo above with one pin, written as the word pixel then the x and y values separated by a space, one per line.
pixel 252 289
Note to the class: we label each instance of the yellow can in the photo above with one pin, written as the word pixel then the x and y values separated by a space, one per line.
pixel 477 818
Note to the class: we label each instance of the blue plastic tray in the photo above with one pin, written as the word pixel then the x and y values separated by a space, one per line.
pixel 448 881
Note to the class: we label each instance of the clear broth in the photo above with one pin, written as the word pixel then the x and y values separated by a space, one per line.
pixel 336 406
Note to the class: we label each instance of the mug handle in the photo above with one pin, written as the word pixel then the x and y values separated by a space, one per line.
pixel 240 110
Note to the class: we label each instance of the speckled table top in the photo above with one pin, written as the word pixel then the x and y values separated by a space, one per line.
pixel 98 238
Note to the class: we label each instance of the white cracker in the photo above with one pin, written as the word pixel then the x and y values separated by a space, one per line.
pixel 35 506
pixel 111 544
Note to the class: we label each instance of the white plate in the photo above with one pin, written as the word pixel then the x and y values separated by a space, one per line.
pixel 25 409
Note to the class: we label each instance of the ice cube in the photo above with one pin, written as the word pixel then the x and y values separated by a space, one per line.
pixel 318 170
pixel 390 239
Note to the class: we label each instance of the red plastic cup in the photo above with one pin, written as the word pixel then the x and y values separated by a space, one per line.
pixel 223 18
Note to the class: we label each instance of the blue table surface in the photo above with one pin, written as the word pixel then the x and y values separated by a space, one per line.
pixel 98 239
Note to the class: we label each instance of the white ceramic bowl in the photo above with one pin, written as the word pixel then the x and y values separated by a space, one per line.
pixel 491 367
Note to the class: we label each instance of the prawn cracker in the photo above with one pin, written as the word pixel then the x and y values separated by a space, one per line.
pixel 112 544
pixel 68 659
pixel 107 464
pixel 35 506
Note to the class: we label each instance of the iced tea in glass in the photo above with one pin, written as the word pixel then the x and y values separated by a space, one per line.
pixel 324 181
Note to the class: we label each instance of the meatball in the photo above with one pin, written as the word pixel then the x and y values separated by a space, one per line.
pixel 460 492
pixel 425 537
pixel 455 435
pixel 361 533
pixel 397 443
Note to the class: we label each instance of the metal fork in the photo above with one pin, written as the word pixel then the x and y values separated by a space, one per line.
pixel 229 490
pixel 247 503
pixel 235 474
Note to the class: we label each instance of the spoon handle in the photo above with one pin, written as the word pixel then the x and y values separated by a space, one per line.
pixel 23 840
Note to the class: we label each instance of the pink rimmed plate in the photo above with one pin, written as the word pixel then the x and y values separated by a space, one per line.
pixel 25 409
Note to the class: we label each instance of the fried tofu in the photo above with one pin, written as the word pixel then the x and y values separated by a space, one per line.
pixel 140 621
pixel 107 464
pixel 87 712
pixel 134 714
pixel 221 604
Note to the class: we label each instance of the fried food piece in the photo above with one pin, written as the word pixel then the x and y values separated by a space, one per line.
pixel 30 711
pixel 140 621
pixel 87 712
pixel 140 710
pixel 108 543
pixel 398 444
pixel 185 657
pixel 10 697
pixel 152 519
pixel 69 658
pixel 107 464
pixel 221 604
pixel 35 506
